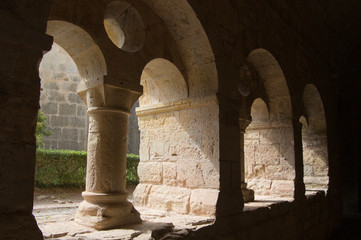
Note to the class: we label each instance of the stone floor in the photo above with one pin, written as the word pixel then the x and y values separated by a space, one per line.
pixel 55 209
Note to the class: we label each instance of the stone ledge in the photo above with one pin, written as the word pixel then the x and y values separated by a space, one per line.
pixel 188 103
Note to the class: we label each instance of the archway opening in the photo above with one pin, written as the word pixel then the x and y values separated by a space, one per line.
pixel 269 150
pixel 74 61
pixel 178 169
pixel 314 141
pixel 65 111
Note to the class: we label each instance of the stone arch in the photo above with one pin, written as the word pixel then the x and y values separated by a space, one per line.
pixel 81 47
pixel 314 141
pixel 275 84
pixel 162 83
pixel 269 148
pixel 259 111
pixel 314 108
pixel 193 45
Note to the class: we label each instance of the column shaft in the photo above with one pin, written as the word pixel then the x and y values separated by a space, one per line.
pixel 107 149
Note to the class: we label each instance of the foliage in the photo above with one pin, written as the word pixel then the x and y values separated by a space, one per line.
pixel 132 166
pixel 41 130
pixel 67 168
pixel 60 168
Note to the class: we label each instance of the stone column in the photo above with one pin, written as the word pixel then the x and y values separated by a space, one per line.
pixel 105 202
pixel 248 194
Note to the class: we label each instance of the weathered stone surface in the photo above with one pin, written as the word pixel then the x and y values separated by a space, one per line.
pixel 260 186
pixel 201 174
pixel 282 188
pixel 203 201
pixel 141 194
pixel 49 108
pixel 315 157
pixel 269 155
pixel 170 174
pixel 179 152
pixel 107 215
pixel 169 199
pixel 69 134
pixel 280 172
pixel 150 172
pixel 67 110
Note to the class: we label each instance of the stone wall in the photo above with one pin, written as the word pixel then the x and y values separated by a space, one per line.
pixel 65 111
pixel 179 167
pixel 269 159
pixel 315 160
pixel 314 141
pixel 133 131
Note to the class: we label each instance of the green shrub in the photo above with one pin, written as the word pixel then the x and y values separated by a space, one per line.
pixel 132 166
pixel 41 130
pixel 67 168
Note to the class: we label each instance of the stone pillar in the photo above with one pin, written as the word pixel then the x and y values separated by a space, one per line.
pixel 230 198
pixel 22 46
pixel 248 194
pixel 105 202
pixel 299 192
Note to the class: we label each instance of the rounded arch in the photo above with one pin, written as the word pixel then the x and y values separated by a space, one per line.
pixel 193 45
pixel 269 150
pixel 275 84
pixel 81 47
pixel 314 141
pixel 314 108
pixel 162 83
pixel 259 111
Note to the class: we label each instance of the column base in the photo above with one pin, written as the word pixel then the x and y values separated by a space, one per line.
pixel 106 211
pixel 248 194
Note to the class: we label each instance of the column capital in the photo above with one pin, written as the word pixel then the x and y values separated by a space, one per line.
pixel 109 93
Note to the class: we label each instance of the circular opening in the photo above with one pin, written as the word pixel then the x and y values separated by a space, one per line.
pixel 124 26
